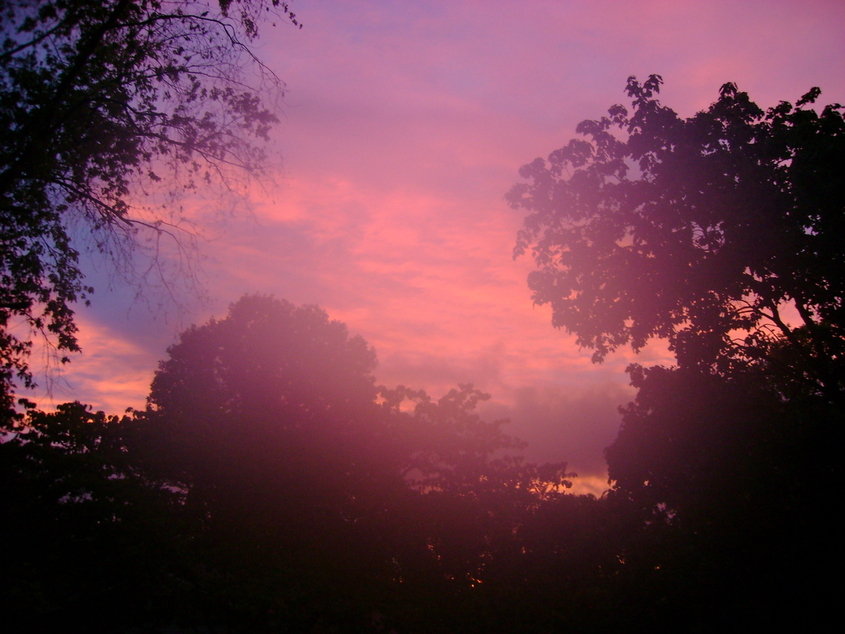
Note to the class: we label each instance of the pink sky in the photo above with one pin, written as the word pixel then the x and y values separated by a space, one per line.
pixel 403 126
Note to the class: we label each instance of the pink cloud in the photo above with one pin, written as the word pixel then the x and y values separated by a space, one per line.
pixel 112 372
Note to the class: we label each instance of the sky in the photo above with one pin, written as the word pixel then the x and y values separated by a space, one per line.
pixel 402 127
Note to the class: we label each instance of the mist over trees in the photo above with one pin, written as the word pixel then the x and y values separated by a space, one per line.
pixel 279 486
pixel 271 484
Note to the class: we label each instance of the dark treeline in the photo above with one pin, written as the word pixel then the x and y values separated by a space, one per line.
pixel 271 485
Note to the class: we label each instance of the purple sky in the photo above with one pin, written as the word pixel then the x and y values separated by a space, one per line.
pixel 403 126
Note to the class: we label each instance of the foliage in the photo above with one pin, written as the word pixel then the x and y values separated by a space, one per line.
pixel 449 447
pixel 263 401
pixel 96 99
pixel 730 482
pixel 272 485
pixel 82 526
pixel 689 438
pixel 271 420
pixel 719 232
pixel 473 489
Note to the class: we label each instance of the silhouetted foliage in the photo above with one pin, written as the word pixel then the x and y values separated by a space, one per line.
pixel 363 498
pixel 88 541
pixel 98 98
pixel 269 418
pixel 720 232
pixel 473 493
pixel 731 483
pixel 271 485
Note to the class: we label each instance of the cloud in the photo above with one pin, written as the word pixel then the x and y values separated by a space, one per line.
pixel 572 423
pixel 404 125
pixel 111 374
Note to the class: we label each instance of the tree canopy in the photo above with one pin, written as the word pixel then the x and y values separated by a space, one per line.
pixel 719 232
pixel 272 485
pixel 244 402
pixel 98 99
pixel 276 393
pixel 271 421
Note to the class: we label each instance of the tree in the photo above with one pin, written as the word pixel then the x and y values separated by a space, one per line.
pixel 735 488
pixel 97 100
pixel 268 419
pixel 473 492
pixel 314 487
pixel 719 232
pixel 91 534
pixel 249 408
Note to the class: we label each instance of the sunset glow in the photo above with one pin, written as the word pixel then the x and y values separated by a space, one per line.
pixel 369 316
pixel 403 126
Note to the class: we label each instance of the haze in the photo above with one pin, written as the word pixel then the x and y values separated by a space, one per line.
pixel 403 126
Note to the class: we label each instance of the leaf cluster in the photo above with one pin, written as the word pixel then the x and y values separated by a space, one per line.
pixel 718 232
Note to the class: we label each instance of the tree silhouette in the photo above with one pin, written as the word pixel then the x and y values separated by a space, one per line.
pixel 294 465
pixel 88 534
pixel 97 98
pixel 718 232
pixel 732 485
pixel 325 490
pixel 272 485
pixel 473 491
pixel 273 406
